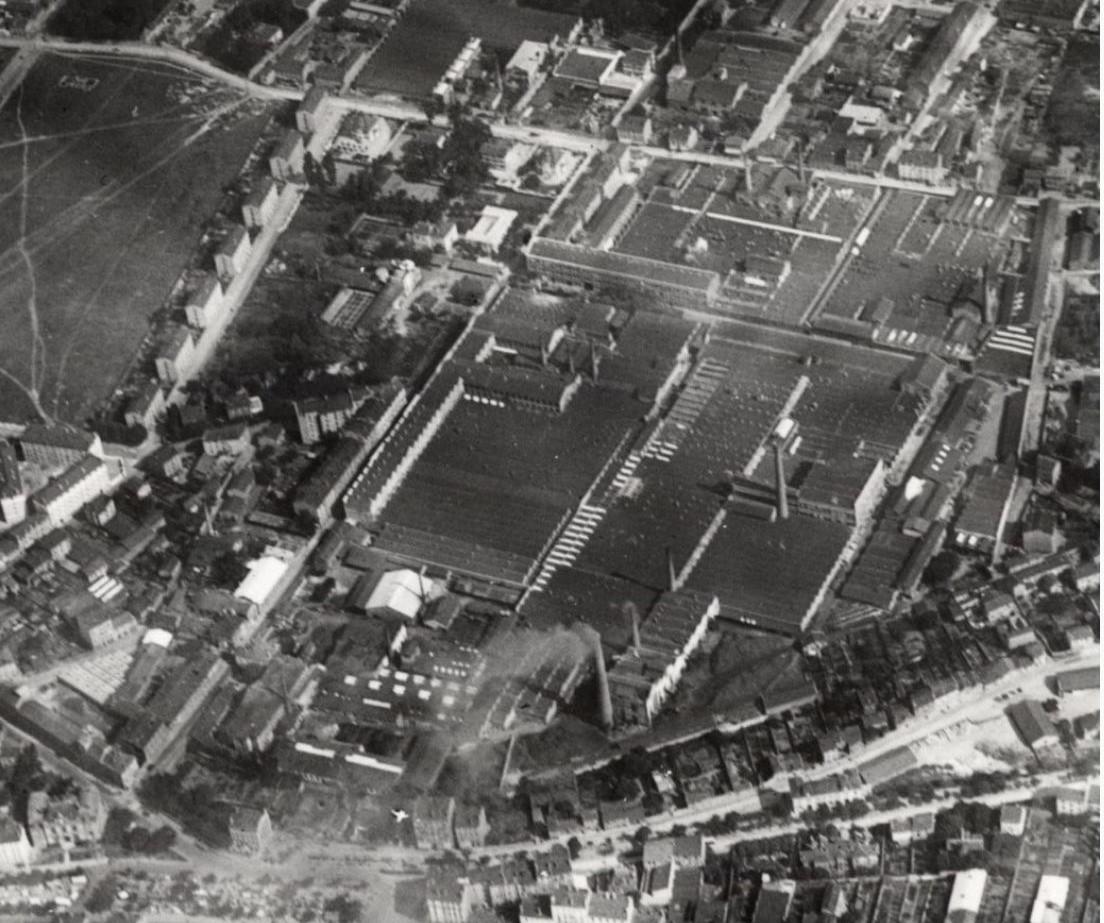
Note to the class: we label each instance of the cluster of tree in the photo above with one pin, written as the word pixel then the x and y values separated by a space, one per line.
pixel 26 776
pixel 965 816
pixel 196 809
pixel 1073 111
pixel 822 813
pixel 458 162
pixel 942 568
pixel 229 43
pixel 140 839
pixel 281 13
pixel 343 909
pixel 104 20
pixel 1078 333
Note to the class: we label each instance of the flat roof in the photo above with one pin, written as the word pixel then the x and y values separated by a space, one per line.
pixel 624 264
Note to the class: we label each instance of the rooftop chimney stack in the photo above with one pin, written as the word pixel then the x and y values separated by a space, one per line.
pixel 605 700
pixel 780 481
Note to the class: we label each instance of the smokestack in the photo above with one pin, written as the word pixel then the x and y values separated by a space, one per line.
pixel 571 361
pixel 544 355
pixel 672 574
pixel 987 297
pixel 780 481
pixel 634 617
pixel 605 700
pixel 747 175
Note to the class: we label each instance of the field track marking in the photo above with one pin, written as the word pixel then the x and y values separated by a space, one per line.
pixel 139 228
pixel 38 344
pixel 78 132
pixel 65 150
pixel 69 220
pixel 80 210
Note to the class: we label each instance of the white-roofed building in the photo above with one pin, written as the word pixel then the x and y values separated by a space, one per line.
pixel 158 636
pixel 401 591
pixel 1050 899
pixel 966 893
pixel 491 229
pixel 526 62
pixel 264 576
pixel 204 301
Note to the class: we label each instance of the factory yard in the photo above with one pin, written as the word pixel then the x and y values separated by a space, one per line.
pixel 432 33
pixel 111 170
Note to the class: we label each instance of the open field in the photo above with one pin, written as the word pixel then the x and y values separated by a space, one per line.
pixel 419 50
pixel 108 172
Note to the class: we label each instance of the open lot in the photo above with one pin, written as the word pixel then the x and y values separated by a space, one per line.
pixel 108 172
pixel 432 32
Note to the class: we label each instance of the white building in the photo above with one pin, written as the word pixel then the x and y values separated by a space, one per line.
pixel 232 439
pixel 966 893
pixel 401 591
pixel 526 63
pixel 363 138
pixel 16 851
pixel 231 256
pixel 204 301
pixel 62 498
pixel 491 229
pixel 143 408
pixel 286 162
pixel 1050 900
pixel 13 495
pixel 260 205
pixel 306 117
pixel 174 361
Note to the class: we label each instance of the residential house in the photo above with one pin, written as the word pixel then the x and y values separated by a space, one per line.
pixel 260 205
pixel 76 817
pixel 526 62
pixel 13 493
pixel 232 253
pixel 286 162
pixel 61 498
pixel 922 166
pixel 470 826
pixel 58 446
pixel 307 115
pixel 635 129
pixel 321 416
pixel 16 851
pixel 250 830
pixel 144 405
pixel 432 818
pixel 232 439
pixel 174 359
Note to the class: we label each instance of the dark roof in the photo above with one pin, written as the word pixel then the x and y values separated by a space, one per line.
pixel 62 437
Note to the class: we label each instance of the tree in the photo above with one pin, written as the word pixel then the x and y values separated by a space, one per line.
pixel 574 847
pixel 161 840
pixel 942 568
pixel 311 170
pixel 329 168
pixel 136 839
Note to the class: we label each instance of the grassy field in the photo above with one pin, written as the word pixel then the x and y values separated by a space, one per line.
pixel 418 52
pixel 108 171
